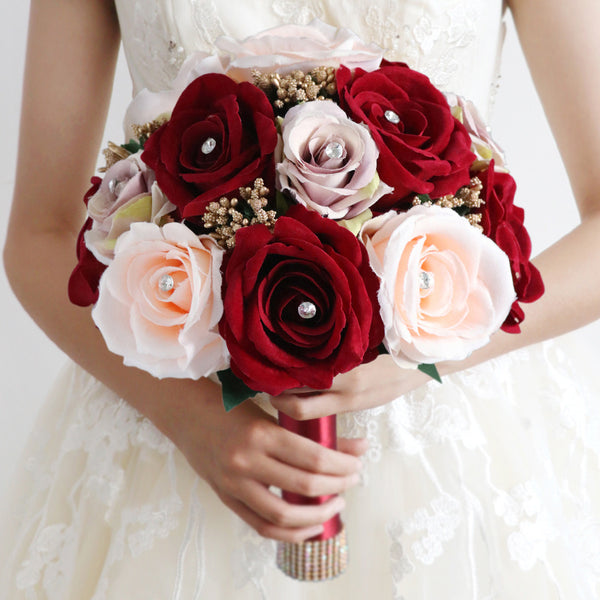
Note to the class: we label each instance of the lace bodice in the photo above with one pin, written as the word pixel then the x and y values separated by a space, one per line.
pixel 455 42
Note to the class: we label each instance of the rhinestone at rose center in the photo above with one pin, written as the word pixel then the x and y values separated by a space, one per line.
pixel 425 280
pixel 392 117
pixel 334 150
pixel 114 186
pixel 307 310
pixel 209 145
pixel 166 283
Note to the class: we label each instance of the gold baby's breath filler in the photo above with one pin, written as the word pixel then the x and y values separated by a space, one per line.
pixel 113 153
pixel 143 132
pixel 465 200
pixel 226 216
pixel 296 87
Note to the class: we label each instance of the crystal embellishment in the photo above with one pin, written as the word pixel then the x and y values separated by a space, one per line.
pixel 425 280
pixel 392 117
pixel 166 283
pixel 209 145
pixel 307 310
pixel 334 150
pixel 113 186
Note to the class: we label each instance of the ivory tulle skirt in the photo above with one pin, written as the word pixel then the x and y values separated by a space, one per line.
pixel 487 486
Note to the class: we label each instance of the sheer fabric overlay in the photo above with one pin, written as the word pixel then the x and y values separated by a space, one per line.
pixel 484 487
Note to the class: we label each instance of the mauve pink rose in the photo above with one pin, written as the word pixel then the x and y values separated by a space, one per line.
pixel 148 105
pixel 159 302
pixel 329 162
pixel 445 287
pixel 128 194
pixel 289 47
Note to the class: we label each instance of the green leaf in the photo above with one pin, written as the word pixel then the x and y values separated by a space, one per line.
pixel 234 390
pixel 382 349
pixel 371 187
pixel 461 210
pixel 139 211
pixel 457 113
pixel 424 198
pixel 133 146
pixel 430 370
pixel 354 225
pixel 281 204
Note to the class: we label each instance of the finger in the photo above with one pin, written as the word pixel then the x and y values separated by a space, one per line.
pixel 353 446
pixel 308 455
pixel 308 406
pixel 269 530
pixel 272 472
pixel 277 511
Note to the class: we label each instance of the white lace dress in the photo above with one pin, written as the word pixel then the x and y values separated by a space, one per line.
pixel 487 487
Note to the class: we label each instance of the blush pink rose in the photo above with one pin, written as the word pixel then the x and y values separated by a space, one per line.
pixel 289 47
pixel 159 302
pixel 329 162
pixel 445 287
pixel 483 145
pixel 128 194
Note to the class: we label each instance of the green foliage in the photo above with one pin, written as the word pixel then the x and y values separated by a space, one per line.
pixel 134 146
pixel 234 390
pixel 281 203
pixel 430 370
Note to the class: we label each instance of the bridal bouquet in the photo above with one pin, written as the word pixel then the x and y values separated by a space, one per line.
pixel 290 209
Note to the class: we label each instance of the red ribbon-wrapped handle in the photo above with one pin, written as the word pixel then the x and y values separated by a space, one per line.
pixel 323 556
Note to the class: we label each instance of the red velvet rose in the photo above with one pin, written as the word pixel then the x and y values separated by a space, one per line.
pixel 307 258
pixel 423 149
pixel 83 283
pixel 221 136
pixel 503 222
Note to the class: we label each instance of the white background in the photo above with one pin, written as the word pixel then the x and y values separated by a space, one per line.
pixel 28 360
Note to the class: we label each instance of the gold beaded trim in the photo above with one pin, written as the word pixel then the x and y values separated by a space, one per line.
pixel 226 216
pixel 467 197
pixel 314 560
pixel 287 90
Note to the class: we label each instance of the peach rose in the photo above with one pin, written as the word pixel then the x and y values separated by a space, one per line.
pixel 128 194
pixel 445 287
pixel 160 302
pixel 329 162
pixel 289 47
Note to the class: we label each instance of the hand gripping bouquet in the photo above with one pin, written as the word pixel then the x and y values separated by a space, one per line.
pixel 290 209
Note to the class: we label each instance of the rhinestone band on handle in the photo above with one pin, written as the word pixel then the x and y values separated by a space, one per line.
pixel 314 560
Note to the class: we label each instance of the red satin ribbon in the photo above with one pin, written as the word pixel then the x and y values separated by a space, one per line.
pixel 323 431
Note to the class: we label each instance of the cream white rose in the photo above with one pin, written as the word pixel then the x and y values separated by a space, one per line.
pixel 160 302
pixel 445 287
